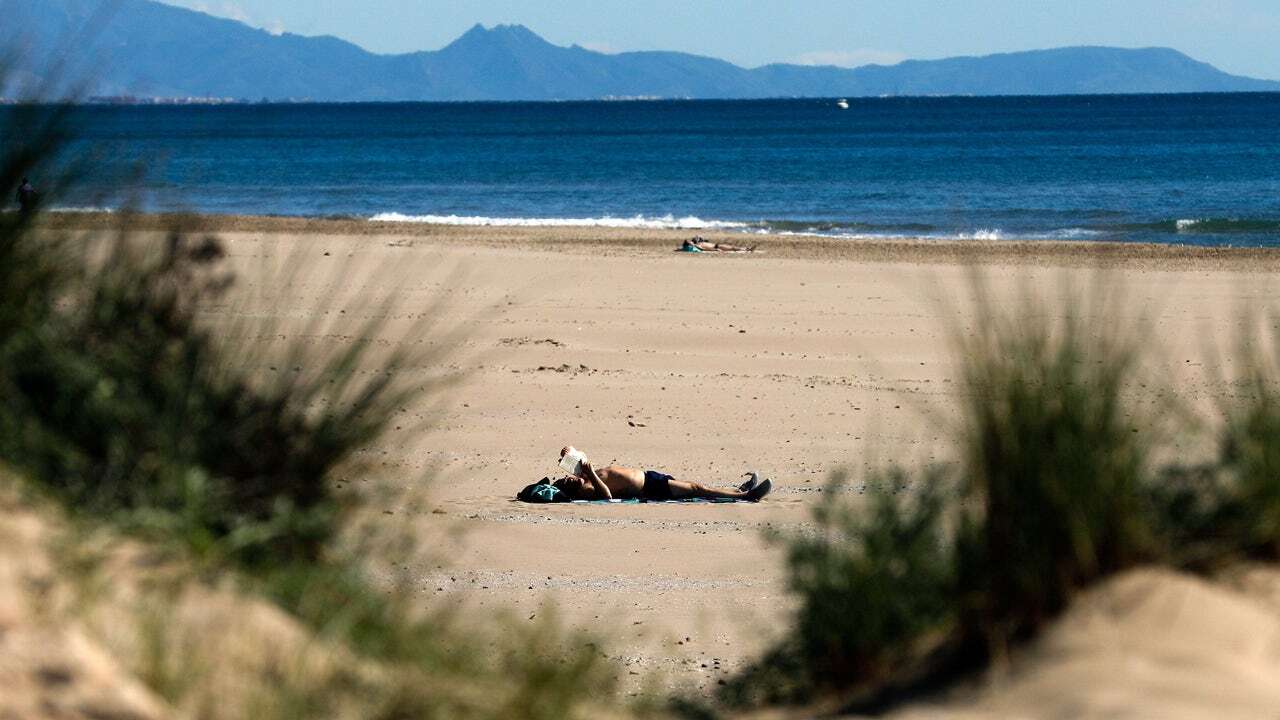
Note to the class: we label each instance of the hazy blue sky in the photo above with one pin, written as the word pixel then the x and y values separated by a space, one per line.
pixel 1239 36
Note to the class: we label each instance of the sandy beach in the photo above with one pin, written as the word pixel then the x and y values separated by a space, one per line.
pixel 809 357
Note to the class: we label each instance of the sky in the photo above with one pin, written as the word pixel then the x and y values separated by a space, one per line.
pixel 1238 36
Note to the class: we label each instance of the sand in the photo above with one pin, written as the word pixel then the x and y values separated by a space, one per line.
pixel 1146 644
pixel 809 357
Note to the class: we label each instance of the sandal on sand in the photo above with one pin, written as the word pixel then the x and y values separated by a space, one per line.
pixel 757 493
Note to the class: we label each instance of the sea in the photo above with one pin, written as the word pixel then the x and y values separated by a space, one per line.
pixel 1194 169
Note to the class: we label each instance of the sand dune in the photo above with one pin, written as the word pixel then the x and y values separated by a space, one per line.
pixel 1147 644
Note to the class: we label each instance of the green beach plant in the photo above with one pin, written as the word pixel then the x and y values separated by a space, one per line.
pixel 876 583
pixel 1213 513
pixel 1054 453
pixel 871 579
pixel 126 407
pixel 1248 507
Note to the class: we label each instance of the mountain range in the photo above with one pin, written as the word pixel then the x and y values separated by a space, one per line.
pixel 149 49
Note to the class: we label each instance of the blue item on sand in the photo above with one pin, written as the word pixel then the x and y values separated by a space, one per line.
pixel 542 492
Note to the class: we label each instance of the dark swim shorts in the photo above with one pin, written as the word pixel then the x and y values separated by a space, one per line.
pixel 657 486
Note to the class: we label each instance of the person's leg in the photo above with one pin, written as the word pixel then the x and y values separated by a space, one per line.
pixel 681 489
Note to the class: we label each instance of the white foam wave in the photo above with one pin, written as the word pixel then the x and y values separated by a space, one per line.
pixel 993 234
pixel 637 221
pixel 760 228
pixel 82 209
pixel 976 235
pixel 1187 224
pixel 1073 234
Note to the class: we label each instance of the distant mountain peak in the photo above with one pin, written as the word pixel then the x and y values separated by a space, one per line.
pixel 500 35
pixel 515 30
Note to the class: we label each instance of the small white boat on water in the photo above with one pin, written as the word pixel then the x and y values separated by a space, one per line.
pixel 842 104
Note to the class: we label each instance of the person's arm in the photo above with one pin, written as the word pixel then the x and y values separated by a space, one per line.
pixel 589 474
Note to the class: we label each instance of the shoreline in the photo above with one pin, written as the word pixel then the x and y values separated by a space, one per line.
pixel 1043 253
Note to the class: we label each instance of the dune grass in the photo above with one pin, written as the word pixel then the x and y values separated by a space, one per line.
pixel 1053 454
pixel 875 585
pixel 122 404
pixel 1250 446
pixel 1213 513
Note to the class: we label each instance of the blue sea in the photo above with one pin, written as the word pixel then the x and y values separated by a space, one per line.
pixel 1199 169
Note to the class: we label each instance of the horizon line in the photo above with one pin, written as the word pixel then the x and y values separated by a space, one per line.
pixel 210 101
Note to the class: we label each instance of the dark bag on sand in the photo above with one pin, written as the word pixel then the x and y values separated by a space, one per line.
pixel 542 492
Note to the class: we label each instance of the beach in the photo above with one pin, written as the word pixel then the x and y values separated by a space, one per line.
pixel 988 325
pixel 807 358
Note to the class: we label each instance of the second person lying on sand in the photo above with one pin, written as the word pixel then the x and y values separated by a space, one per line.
pixel 697 244
pixel 622 483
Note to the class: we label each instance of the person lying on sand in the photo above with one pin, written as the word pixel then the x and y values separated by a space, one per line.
pixel 623 483
pixel 697 244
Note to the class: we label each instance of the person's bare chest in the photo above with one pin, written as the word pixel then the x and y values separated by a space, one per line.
pixel 622 482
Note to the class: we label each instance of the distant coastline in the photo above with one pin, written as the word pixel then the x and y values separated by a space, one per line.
pixel 200 101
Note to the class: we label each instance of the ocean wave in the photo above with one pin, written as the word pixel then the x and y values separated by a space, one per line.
pixel 1206 226
pixel 1085 231
pixel 832 227
pixel 993 234
pixel 1226 225
pixel 847 234
pixel 986 234
pixel 666 222
pixel 1073 234
pixel 81 209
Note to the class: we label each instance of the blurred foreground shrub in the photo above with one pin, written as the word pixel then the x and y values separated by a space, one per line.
pixel 1215 513
pixel 1053 455
pixel 874 585
pixel 1055 489
pixel 116 400
pixel 1251 443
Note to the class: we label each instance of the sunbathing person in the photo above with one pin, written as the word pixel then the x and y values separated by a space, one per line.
pixel 620 482
pixel 697 244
